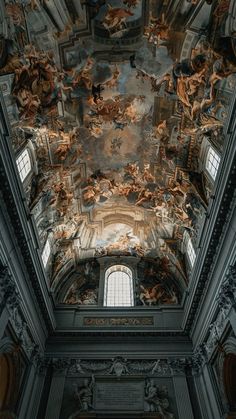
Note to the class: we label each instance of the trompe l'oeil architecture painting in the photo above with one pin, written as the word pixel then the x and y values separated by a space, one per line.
pixel 117 133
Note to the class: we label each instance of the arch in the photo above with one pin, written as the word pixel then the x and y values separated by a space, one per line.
pixel 8 386
pixel 229 375
pixel 226 366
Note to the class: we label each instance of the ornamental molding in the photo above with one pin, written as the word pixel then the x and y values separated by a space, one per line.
pixel 225 300
pixel 6 345
pixel 224 211
pixel 10 299
pixel 119 366
pixel 116 367
pixel 13 214
pixel 9 294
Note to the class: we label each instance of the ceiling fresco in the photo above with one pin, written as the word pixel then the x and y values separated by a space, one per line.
pixel 115 113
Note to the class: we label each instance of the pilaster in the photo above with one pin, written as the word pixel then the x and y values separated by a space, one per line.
pixel 182 397
pixel 57 387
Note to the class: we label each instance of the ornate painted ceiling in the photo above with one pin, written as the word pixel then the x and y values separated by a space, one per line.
pixel 116 102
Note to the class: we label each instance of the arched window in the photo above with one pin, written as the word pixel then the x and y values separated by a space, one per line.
pixel 118 291
pixel 212 162
pixel 23 164
pixel 191 252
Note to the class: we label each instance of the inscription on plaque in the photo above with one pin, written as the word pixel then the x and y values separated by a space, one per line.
pixel 119 395
pixel 118 321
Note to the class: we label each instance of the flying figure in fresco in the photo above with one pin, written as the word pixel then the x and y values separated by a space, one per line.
pixel 115 18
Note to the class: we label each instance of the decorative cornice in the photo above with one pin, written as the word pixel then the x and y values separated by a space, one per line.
pixel 9 293
pixel 226 299
pixel 121 366
pixel 224 212
pixel 10 298
pixel 119 333
pixel 10 203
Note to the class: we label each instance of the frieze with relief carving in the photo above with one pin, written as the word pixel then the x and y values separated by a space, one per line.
pixel 9 295
pixel 120 366
pixel 10 298
pixel 113 384
pixel 226 299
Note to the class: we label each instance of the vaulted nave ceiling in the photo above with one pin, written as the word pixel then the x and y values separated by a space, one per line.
pixel 117 103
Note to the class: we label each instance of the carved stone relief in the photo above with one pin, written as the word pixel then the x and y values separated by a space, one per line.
pixel 10 298
pixel 120 366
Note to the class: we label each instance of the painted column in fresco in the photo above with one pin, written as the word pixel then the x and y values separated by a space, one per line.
pixel 79 9
pixel 50 4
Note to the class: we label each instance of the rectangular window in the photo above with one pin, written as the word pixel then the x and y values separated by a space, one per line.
pixel 46 253
pixel 23 164
pixel 212 162
pixel 191 252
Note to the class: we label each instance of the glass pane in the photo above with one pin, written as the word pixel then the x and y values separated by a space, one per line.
pixel 46 253
pixel 118 287
pixel 212 162
pixel 191 252
pixel 23 164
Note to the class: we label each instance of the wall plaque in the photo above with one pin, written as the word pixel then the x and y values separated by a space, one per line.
pixel 118 321
pixel 119 395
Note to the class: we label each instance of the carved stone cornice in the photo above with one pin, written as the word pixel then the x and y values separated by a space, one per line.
pixel 20 237
pixel 178 365
pixel 226 299
pixel 223 215
pixel 60 365
pixel 9 294
pixel 42 364
pixel 10 298
pixel 227 295
pixel 120 366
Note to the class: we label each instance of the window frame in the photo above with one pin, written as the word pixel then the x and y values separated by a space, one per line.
pixel 24 167
pixel 114 270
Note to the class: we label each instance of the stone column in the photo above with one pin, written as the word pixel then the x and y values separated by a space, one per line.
pixel 182 396
pixel 57 389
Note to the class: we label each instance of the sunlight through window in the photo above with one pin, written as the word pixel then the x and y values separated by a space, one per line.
pixel 46 253
pixel 23 164
pixel 212 163
pixel 118 290
pixel 191 252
